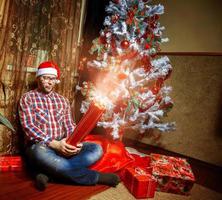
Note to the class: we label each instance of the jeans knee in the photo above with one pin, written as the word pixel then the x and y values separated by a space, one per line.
pixel 93 153
pixel 36 150
pixel 98 150
pixel 46 158
pixel 94 148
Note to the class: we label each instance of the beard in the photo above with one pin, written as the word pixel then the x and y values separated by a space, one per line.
pixel 45 88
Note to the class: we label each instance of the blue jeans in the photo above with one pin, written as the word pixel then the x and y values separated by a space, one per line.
pixel 73 169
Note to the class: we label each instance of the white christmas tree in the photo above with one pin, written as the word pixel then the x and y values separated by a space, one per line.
pixel 132 75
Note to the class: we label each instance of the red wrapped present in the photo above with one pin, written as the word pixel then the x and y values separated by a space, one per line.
pixel 15 163
pixel 140 182
pixel 4 166
pixel 10 163
pixel 174 175
pixel 86 124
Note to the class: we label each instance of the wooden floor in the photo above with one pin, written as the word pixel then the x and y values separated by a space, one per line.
pixel 20 186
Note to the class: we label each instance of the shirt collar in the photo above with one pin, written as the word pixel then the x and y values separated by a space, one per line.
pixel 44 94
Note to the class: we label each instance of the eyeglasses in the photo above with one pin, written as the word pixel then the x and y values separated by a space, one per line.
pixel 48 79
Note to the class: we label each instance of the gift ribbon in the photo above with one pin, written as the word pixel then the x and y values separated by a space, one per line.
pixel 140 171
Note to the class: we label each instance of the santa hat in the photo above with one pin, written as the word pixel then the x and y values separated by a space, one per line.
pixel 48 67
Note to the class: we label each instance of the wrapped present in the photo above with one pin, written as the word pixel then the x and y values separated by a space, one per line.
pixel 10 163
pixel 140 182
pixel 4 166
pixel 173 175
pixel 16 163
pixel 86 124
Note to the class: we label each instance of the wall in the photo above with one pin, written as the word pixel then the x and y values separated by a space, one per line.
pixel 192 25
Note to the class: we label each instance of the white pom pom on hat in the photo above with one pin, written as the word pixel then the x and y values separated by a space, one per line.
pixel 48 67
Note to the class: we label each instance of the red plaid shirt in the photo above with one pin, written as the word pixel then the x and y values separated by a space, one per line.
pixel 45 117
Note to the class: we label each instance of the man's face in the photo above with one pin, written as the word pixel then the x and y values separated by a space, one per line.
pixel 46 83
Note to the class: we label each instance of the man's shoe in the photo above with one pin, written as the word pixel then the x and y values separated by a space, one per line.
pixel 109 179
pixel 41 181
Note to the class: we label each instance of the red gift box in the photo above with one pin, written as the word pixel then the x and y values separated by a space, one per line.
pixel 140 182
pixel 16 163
pixel 86 124
pixel 174 175
pixel 4 166
pixel 10 163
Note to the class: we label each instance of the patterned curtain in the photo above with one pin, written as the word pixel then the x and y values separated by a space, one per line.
pixel 32 31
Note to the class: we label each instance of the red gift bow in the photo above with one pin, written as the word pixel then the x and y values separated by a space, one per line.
pixel 140 171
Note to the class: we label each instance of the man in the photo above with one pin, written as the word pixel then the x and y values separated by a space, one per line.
pixel 46 120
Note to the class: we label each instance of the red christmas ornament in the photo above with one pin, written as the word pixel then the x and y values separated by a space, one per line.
pixel 155 90
pixel 125 44
pixel 147 46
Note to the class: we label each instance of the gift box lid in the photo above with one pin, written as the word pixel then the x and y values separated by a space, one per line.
pixel 171 166
pixel 141 174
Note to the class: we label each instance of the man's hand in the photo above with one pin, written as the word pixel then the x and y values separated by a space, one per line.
pixel 64 148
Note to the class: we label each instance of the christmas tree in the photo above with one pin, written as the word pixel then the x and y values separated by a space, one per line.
pixel 131 74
